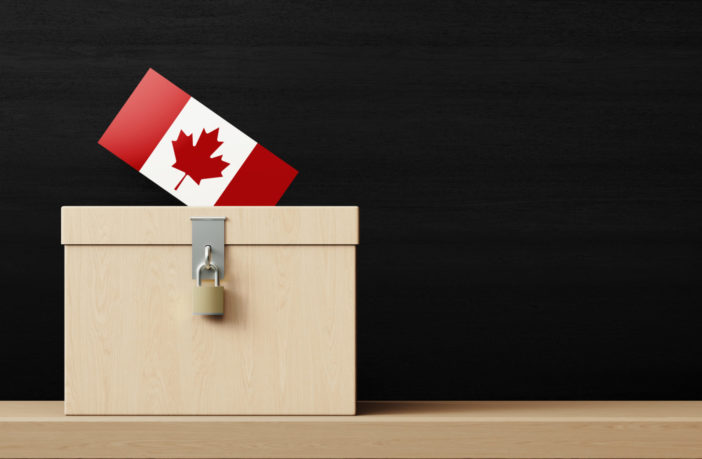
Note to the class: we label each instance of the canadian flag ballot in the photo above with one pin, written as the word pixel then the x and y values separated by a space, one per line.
pixel 191 152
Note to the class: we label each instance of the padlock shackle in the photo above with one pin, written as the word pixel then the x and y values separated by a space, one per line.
pixel 209 267
pixel 208 256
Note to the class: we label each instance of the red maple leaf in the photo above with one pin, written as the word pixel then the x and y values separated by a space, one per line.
pixel 196 160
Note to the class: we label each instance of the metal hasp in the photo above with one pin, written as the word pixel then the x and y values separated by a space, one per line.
pixel 208 231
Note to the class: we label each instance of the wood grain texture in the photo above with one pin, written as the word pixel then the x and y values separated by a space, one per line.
pixel 380 430
pixel 244 225
pixel 285 345
pixel 529 174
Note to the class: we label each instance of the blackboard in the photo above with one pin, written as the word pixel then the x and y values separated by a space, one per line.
pixel 529 175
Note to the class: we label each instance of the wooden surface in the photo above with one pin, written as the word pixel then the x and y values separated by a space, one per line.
pixel 380 430
pixel 285 345
pixel 244 225
pixel 528 174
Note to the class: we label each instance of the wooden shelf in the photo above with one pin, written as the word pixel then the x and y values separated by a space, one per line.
pixel 381 429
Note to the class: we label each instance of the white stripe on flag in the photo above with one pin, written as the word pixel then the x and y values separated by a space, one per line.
pixel 193 119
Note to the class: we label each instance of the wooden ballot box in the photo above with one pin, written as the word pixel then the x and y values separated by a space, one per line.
pixel 285 343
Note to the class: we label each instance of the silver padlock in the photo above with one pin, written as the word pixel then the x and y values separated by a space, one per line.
pixel 208 300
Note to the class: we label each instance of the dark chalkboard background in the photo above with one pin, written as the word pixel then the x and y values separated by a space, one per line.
pixel 529 175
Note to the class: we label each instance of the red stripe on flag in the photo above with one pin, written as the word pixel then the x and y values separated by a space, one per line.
pixel 261 181
pixel 144 119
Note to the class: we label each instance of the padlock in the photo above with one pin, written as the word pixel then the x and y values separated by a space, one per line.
pixel 208 300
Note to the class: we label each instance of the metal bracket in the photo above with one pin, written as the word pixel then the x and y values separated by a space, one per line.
pixel 208 231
